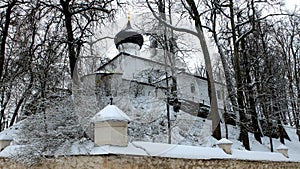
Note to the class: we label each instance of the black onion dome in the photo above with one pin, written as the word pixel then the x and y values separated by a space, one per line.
pixel 129 35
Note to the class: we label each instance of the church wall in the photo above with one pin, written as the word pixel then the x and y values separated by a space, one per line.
pixel 203 95
pixel 221 92
pixel 108 85
pixel 186 83
pixel 133 66
pixel 138 89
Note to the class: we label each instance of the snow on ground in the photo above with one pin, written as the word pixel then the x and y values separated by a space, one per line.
pixel 11 132
pixel 293 145
pixel 191 137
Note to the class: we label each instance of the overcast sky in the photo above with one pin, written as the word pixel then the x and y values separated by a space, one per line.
pixel 292 3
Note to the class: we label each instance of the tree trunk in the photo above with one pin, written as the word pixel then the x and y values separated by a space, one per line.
pixel 5 34
pixel 213 97
pixel 20 102
pixel 296 71
pixel 240 95
pixel 228 77
pixel 251 102
pixel 3 107
pixel 3 45
pixel 200 36
pixel 70 37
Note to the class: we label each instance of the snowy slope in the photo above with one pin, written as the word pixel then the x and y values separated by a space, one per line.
pixel 149 124
pixel 191 137
pixel 293 145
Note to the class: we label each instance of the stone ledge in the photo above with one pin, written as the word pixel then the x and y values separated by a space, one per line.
pixel 136 162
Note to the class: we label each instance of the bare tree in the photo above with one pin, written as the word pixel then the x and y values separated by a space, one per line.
pixel 77 18
pixel 285 34
pixel 5 23
pixel 192 9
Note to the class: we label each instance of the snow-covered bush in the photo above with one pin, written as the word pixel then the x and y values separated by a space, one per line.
pixel 46 132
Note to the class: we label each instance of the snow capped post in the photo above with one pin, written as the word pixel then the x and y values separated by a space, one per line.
pixel 225 145
pixel 111 126
pixel 4 143
pixel 6 137
pixel 283 150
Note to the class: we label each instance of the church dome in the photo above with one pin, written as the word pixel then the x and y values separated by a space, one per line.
pixel 129 35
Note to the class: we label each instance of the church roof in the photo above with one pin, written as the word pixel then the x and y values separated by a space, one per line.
pixel 129 35
pixel 110 113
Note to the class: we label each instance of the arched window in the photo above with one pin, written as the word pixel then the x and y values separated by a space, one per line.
pixel 193 88
pixel 220 95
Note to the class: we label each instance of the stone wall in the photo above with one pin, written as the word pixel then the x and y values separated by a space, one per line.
pixel 143 162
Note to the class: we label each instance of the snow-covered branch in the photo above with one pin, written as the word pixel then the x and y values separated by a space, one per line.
pixel 179 29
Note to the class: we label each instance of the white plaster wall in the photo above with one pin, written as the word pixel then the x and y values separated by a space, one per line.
pixel 132 66
pixel 4 143
pixel 203 94
pixel 221 88
pixel 111 133
pixel 184 82
pixel 130 48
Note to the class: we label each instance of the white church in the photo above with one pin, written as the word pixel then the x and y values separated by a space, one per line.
pixel 152 74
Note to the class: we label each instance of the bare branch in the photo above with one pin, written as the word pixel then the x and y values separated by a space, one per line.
pixel 169 25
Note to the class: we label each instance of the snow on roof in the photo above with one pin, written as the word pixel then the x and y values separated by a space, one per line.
pixel 259 156
pixel 6 135
pixel 106 72
pixel 281 147
pixel 108 149
pixel 224 141
pixel 163 150
pixel 188 152
pixel 110 112
pixel 181 151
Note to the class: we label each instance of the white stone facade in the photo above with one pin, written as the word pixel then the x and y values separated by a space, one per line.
pixel 189 87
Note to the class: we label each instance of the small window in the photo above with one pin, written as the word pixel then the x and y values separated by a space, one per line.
pixel 193 88
pixel 219 94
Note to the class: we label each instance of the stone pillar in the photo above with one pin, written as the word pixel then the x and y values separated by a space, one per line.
pixel 111 125
pixel 283 150
pixel 225 145
pixel 4 143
